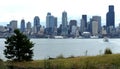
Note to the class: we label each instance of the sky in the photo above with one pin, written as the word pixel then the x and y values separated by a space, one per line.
pixel 28 9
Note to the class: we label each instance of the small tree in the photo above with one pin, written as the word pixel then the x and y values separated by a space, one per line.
pixel 18 47
pixel 108 51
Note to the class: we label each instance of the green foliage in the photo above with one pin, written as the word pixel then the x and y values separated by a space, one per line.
pixel 108 51
pixel 60 56
pixel 18 47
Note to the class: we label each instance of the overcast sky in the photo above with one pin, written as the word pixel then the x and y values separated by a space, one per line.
pixel 27 9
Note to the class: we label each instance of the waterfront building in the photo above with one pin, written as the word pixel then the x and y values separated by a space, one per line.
pixel 64 24
pixel 22 28
pixel 86 34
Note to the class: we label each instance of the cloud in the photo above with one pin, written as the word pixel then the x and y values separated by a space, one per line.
pixel 27 9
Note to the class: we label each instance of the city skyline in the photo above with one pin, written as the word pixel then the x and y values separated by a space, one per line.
pixel 17 10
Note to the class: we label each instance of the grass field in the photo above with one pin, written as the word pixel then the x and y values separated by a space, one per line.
pixel 85 62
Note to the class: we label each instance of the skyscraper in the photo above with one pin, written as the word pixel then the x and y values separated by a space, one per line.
pixel 83 24
pixel 110 17
pixel 94 28
pixel 37 24
pixel 13 25
pixel 72 23
pixel 47 19
pixel 98 19
pixel 55 21
pixel 84 17
pixel 64 24
pixel 51 23
pixel 28 26
pixel 22 25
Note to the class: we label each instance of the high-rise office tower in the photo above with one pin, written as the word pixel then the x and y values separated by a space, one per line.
pixel 94 28
pixel 55 21
pixel 22 28
pixel 47 19
pixel 13 25
pixel 98 19
pixel 37 24
pixel 83 24
pixel 84 17
pixel 64 24
pixel 72 23
pixel 28 26
pixel 110 17
pixel 51 23
pixel 55 28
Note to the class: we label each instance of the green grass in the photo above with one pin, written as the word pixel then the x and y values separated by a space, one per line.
pixel 85 62
pixel 2 65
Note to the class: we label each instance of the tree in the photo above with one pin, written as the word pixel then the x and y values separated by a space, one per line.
pixel 18 47
pixel 108 51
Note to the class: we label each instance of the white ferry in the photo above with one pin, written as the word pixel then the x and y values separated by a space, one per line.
pixel 105 39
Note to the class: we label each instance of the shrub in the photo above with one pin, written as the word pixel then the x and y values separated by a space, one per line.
pixel 1 60
pixel 71 56
pixel 60 56
pixel 108 51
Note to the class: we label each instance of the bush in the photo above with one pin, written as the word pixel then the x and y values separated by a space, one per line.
pixel 108 51
pixel 1 60
pixel 60 56
pixel 71 56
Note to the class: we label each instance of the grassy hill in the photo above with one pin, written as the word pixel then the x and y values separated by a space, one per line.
pixel 84 62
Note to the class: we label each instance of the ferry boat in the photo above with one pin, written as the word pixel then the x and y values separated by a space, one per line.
pixel 105 39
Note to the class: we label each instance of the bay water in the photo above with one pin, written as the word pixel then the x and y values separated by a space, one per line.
pixel 45 48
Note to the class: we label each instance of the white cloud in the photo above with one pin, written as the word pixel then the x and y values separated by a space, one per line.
pixel 27 9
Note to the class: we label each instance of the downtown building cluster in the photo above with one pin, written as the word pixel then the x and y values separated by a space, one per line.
pixel 67 29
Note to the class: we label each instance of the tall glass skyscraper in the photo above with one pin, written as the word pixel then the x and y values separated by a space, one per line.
pixel 37 24
pixel 64 24
pixel 22 25
pixel 83 25
pixel 84 17
pixel 51 23
pixel 47 19
pixel 110 17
